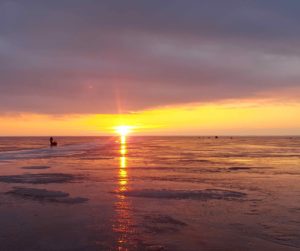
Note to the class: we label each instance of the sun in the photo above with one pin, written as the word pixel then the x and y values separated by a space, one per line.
pixel 123 130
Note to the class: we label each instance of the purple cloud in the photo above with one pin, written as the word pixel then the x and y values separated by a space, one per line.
pixel 92 56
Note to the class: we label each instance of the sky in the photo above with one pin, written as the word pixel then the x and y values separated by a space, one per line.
pixel 188 67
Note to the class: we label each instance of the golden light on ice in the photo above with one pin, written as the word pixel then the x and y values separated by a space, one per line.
pixel 123 149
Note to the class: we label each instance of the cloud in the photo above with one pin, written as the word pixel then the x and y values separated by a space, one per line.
pixel 119 56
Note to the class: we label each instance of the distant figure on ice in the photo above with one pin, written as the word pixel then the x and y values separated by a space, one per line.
pixel 52 143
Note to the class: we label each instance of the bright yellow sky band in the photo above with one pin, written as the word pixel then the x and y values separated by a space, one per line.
pixel 242 118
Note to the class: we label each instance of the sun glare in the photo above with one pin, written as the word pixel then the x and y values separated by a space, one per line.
pixel 123 130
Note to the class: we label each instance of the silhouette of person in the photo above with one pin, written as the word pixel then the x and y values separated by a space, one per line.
pixel 52 142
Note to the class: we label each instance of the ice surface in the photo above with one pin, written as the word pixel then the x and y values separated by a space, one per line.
pixel 171 194
pixel 46 195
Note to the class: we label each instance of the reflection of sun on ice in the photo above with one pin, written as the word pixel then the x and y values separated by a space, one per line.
pixel 123 149
pixel 123 163
pixel 124 221
pixel 122 179
pixel 123 131
pixel 123 152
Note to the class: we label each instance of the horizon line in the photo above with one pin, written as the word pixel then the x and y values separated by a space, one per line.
pixel 211 135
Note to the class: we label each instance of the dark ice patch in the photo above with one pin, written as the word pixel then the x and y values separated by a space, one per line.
pixel 39 178
pixel 46 195
pixel 155 248
pixel 162 224
pixel 196 160
pixel 35 167
pixel 206 194
pixel 238 168
pixel 164 219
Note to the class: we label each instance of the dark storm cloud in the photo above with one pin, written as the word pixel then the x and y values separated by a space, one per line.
pixel 95 56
